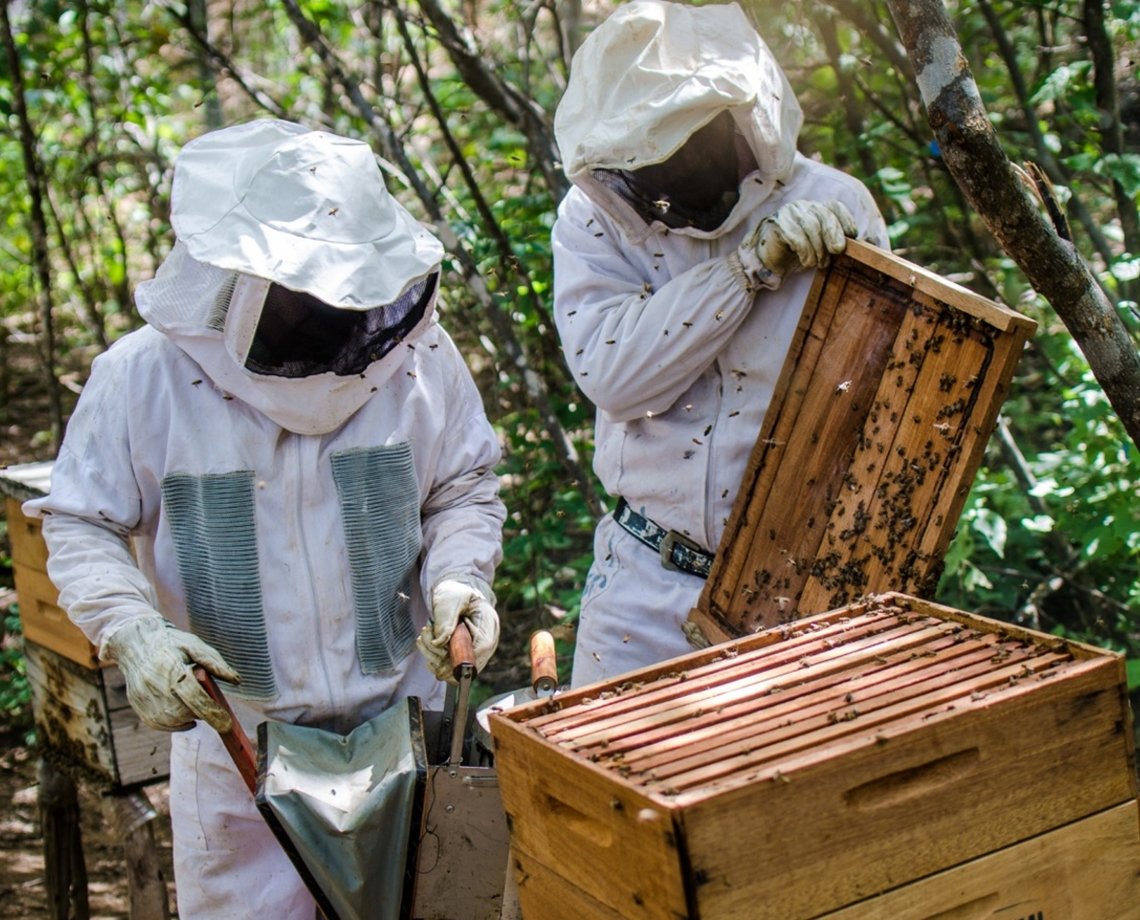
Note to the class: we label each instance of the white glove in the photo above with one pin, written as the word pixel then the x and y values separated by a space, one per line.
pixel 157 660
pixel 801 234
pixel 453 600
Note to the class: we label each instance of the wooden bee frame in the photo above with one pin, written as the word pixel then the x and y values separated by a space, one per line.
pixel 887 398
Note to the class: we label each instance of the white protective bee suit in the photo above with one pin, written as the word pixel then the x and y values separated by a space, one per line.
pixel 293 517
pixel 664 328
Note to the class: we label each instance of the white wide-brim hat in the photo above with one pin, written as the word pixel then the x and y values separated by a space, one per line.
pixel 305 209
pixel 653 73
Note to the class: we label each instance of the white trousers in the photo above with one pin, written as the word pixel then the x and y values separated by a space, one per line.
pixel 632 608
pixel 227 863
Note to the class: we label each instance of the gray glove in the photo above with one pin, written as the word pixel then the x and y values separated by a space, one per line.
pixel 157 661
pixel 801 234
pixel 452 600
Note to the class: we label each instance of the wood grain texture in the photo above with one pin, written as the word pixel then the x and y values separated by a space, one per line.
pixel 543 893
pixel 1088 870
pixel 814 765
pixel 615 845
pixel 41 618
pixel 84 722
pixel 887 398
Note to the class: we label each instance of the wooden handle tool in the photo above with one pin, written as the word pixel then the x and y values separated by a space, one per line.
pixel 236 740
pixel 462 651
pixel 543 663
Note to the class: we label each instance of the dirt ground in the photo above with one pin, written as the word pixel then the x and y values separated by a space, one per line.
pixel 22 891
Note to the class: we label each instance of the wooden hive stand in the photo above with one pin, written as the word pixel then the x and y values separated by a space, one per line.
pixel 85 729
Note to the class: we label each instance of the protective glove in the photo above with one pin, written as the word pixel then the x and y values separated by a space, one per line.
pixel 801 234
pixel 157 660
pixel 452 600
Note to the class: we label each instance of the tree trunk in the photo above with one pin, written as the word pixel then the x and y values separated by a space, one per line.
pixel 991 184
pixel 42 263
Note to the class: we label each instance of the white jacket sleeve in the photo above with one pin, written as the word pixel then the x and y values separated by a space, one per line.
pixel 101 587
pixel 634 349
pixel 92 507
pixel 462 515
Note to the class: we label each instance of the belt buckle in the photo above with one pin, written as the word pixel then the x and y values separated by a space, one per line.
pixel 675 538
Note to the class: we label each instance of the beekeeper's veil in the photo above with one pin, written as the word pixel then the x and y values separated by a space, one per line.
pixel 294 275
pixel 650 77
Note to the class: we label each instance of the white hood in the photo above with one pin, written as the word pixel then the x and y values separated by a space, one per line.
pixel 654 73
pixel 271 202
pixel 211 313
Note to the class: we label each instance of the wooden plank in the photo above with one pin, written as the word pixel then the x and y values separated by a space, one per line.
pixel 65 870
pixel 41 618
pixel 931 417
pixel 546 895
pixel 921 279
pixel 900 804
pixel 619 847
pixel 719 723
pixel 142 755
pixel 83 718
pixel 807 720
pixel 811 661
pixel 862 773
pixel 1088 870
pixel 753 693
pixel 1081 651
pixel 25 537
pixel 802 455
pixel 818 731
pixel 44 622
pixel 70 712
pixel 681 675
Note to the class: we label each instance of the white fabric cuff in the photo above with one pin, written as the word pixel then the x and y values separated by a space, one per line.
pixel 752 274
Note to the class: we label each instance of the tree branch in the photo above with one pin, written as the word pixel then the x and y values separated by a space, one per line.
pixel 222 62
pixel 1052 168
pixel 500 322
pixel 975 158
pixel 870 26
pixel 1112 131
pixel 39 233
pixel 515 107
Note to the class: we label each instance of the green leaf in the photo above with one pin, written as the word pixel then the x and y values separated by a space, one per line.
pixel 1132 667
pixel 1124 168
pixel 1039 523
pixel 993 529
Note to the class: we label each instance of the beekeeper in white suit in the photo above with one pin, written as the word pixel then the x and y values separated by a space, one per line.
pixel 300 458
pixel 682 260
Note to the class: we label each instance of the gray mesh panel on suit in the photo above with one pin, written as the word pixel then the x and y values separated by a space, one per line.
pixel 212 524
pixel 380 508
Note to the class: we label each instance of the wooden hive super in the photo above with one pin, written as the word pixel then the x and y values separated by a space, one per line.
pixel 893 759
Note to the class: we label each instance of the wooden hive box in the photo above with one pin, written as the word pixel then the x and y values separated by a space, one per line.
pixel 41 618
pixel 889 393
pixel 80 705
pixel 892 759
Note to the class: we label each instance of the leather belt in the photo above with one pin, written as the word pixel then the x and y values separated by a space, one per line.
pixel 678 553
